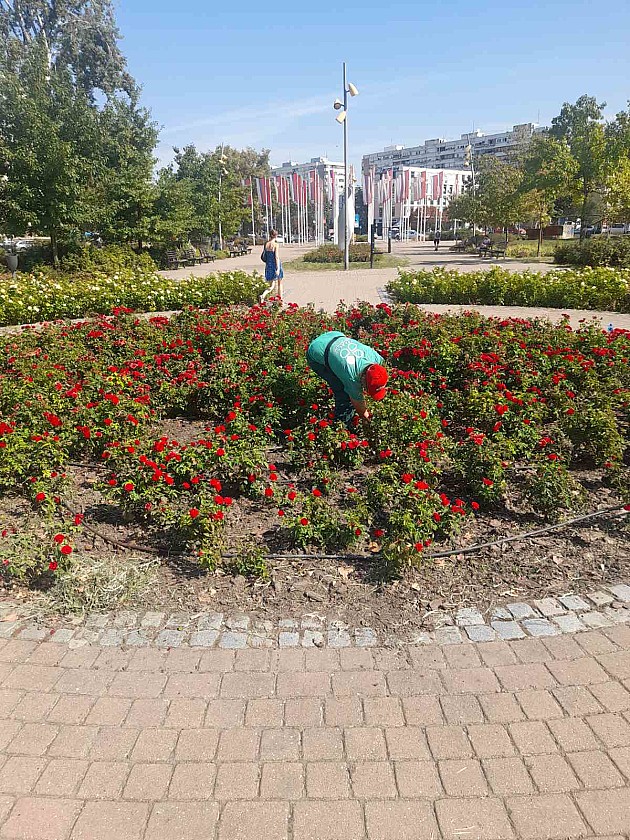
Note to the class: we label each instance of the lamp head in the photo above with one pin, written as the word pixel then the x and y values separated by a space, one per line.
pixel 337 104
pixel 341 117
pixel 352 89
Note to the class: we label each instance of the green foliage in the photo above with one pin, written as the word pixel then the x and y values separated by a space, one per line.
pixel 597 251
pixel 605 289
pixel 551 489
pixel 47 295
pixel 328 253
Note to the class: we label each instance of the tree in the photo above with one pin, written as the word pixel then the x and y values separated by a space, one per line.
pixel 173 212
pixel 499 193
pixel 48 132
pixel 581 127
pixel 79 37
pixel 549 169
pixel 124 200
pixel 618 174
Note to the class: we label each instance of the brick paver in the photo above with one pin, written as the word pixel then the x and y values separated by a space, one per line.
pixel 521 740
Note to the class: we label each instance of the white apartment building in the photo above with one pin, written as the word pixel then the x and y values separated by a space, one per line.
pixel 451 154
pixel 321 164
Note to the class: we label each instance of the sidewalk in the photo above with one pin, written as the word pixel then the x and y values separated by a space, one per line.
pixel 523 739
pixel 324 289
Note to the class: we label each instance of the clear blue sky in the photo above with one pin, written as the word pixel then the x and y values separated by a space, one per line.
pixel 265 74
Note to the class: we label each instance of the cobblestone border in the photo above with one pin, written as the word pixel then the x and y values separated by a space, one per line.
pixel 604 607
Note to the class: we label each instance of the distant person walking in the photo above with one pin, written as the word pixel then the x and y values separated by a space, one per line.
pixel 274 273
pixel 436 240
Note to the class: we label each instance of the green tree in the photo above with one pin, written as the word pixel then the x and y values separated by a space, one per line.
pixel 79 37
pixel 49 132
pixel 124 199
pixel 581 126
pixel 549 170
pixel 499 194
pixel 618 174
pixel 173 212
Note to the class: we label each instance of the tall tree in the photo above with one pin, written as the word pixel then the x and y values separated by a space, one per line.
pixel 49 131
pixel 618 174
pixel 581 126
pixel 499 193
pixel 126 192
pixel 549 170
pixel 79 37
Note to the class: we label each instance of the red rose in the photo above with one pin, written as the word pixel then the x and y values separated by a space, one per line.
pixel 53 565
pixel 303 521
pixel 40 497
pixel 59 538
pixel 66 549
pixel 194 513
pixel 128 486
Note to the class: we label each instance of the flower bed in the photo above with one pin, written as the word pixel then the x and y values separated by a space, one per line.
pixel 481 414
pixel 47 295
pixel 604 289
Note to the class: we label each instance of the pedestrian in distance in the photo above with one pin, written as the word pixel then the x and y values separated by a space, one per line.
pixel 274 273
pixel 436 239
pixel 352 370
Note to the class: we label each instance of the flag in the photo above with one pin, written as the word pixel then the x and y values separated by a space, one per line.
pixel 435 187
pixel 405 184
pixel 441 184
pixel 247 183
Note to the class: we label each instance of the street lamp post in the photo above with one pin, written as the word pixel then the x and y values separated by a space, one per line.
pixel 222 172
pixel 348 88
pixel 470 161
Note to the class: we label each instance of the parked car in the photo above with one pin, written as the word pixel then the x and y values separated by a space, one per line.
pixel 618 229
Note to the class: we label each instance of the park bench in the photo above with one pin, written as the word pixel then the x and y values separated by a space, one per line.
pixel 191 257
pixel 493 251
pixel 237 250
pixel 173 260
pixel 206 256
pixel 459 247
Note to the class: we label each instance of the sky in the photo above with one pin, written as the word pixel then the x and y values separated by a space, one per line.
pixel 266 75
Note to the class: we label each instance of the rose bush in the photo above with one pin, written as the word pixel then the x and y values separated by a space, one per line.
pixel 604 289
pixel 46 295
pixel 481 414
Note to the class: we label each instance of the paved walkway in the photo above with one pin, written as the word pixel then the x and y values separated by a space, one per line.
pixel 324 289
pixel 522 739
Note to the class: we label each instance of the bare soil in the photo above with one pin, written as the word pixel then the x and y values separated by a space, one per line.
pixel 578 558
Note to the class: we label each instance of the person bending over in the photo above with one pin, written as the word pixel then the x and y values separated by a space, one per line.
pixel 351 369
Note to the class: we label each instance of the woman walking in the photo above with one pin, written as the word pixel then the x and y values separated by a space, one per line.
pixel 273 266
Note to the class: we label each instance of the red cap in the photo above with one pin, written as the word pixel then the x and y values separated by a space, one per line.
pixel 375 379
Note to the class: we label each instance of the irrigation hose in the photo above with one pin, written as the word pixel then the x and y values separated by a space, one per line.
pixel 436 555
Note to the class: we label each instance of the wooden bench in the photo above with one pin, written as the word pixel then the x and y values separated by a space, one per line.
pixel 237 250
pixel 493 251
pixel 206 256
pixel 459 247
pixel 173 260
pixel 191 257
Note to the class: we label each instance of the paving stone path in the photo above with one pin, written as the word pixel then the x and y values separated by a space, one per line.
pixel 528 738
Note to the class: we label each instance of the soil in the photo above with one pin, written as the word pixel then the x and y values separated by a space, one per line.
pixel 579 558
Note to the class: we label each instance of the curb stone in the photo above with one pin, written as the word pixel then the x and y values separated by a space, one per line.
pixel 565 614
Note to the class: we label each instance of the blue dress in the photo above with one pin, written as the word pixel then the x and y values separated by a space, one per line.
pixel 273 269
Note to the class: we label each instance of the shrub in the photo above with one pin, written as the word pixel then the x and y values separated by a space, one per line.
pixel 598 288
pixel 48 295
pixel 110 258
pixel 328 253
pixel 598 251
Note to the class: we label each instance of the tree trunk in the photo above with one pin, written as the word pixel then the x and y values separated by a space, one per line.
pixel 583 222
pixel 540 235
pixel 54 246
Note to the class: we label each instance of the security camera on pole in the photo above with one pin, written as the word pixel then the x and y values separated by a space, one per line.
pixel 342 118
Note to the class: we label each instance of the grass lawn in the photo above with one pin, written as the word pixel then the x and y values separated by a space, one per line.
pixel 527 249
pixel 382 261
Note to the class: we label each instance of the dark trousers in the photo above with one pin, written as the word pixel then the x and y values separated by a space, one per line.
pixel 344 410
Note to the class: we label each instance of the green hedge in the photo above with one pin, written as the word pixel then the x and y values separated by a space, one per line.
pixel 359 252
pixel 587 288
pixel 613 251
pixel 48 295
